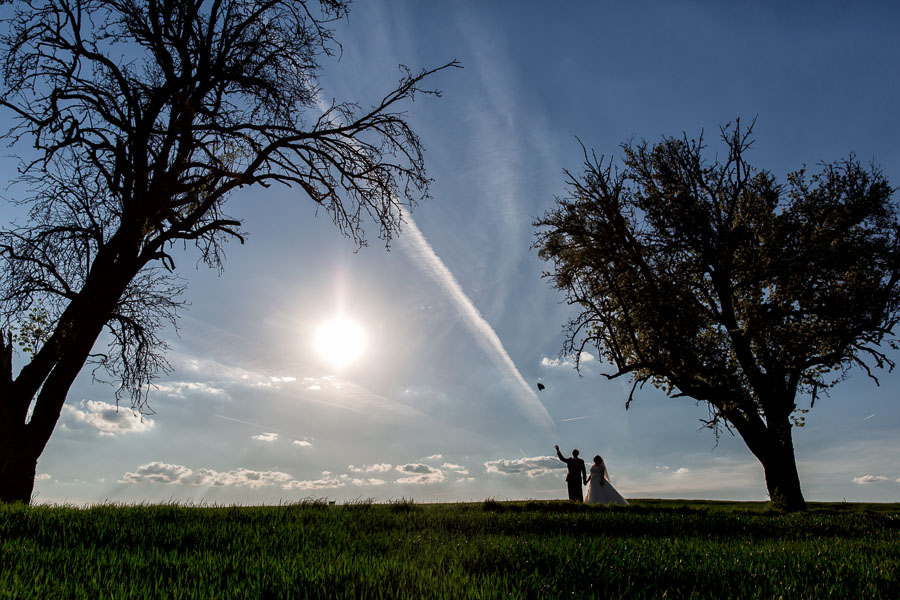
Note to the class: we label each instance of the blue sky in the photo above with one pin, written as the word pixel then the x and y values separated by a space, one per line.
pixel 442 404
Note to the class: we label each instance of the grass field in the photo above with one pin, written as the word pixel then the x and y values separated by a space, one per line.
pixel 652 549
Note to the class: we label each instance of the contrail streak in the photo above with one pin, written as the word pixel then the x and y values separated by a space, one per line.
pixel 431 263
pixel 267 428
pixel 578 418
pixel 424 254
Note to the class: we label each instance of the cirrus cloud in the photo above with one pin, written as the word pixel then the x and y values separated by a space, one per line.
pixel 183 389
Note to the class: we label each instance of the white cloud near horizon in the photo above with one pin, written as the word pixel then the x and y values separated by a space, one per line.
pixel 317 484
pixel 536 466
pixel 458 469
pixel 371 481
pixel 168 474
pixel 158 472
pixel 866 479
pixel 712 477
pixel 108 419
pixel 268 436
pixel 420 474
pixel 376 468
pixel 419 248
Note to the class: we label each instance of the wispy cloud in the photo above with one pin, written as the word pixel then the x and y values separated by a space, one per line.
pixel 430 262
pixel 268 436
pixel 181 389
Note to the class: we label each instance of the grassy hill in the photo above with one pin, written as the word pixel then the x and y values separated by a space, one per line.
pixel 651 549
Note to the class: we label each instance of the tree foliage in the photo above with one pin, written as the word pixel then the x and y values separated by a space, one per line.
pixel 710 279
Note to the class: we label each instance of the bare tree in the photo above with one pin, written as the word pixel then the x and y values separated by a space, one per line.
pixel 713 281
pixel 143 117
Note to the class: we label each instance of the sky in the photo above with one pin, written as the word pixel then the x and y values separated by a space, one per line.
pixel 440 403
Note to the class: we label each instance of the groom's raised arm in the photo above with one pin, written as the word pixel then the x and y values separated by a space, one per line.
pixel 559 454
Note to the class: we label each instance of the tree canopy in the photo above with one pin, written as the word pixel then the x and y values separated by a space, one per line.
pixel 710 279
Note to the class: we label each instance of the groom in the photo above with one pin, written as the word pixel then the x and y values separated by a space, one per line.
pixel 576 468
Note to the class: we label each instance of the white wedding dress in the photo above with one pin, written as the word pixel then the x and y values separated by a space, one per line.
pixel 600 490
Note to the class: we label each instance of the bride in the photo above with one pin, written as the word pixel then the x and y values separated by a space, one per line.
pixel 601 491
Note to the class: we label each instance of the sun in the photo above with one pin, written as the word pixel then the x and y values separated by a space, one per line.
pixel 340 341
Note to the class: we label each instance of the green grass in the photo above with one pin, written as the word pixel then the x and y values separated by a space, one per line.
pixel 652 549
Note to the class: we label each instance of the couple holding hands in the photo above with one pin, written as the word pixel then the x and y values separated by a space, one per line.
pixel 601 490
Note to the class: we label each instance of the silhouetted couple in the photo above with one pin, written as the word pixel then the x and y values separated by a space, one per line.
pixel 601 490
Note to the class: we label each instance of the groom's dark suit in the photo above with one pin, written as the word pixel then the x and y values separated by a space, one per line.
pixel 576 477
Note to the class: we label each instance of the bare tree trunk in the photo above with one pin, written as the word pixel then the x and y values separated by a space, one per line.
pixel 18 465
pixel 771 443
pixel 780 466
pixel 23 439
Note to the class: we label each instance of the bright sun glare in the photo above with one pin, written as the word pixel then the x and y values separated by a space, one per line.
pixel 340 341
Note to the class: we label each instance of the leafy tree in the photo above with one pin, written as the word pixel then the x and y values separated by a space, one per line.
pixel 709 279
pixel 143 116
